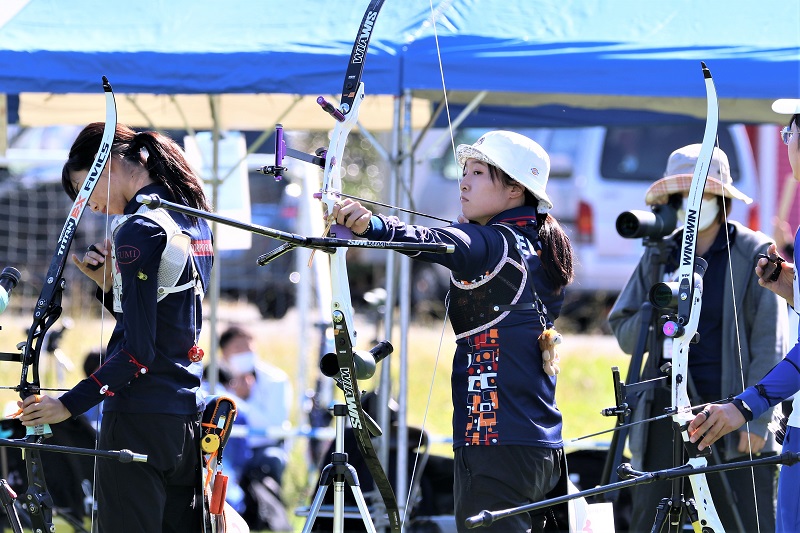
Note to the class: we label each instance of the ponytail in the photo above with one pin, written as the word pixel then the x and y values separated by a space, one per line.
pixel 166 163
pixel 163 158
pixel 556 251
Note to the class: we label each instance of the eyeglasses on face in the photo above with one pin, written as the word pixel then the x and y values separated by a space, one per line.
pixel 786 134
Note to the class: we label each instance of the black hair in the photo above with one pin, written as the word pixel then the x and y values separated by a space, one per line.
pixel 557 256
pixel 231 333
pixel 725 205
pixel 165 161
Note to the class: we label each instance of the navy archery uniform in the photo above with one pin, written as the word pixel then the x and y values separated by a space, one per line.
pixel 504 402
pixel 148 380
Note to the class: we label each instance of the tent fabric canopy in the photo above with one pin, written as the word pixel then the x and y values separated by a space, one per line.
pixel 577 54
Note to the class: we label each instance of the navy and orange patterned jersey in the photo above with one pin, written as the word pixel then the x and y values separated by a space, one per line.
pixel 501 394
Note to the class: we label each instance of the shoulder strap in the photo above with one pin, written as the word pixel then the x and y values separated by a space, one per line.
pixel 177 252
pixel 537 303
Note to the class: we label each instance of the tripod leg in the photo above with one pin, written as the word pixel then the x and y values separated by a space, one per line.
pixel 362 507
pixel 315 506
pixel 668 511
pixel 339 473
pixel 338 506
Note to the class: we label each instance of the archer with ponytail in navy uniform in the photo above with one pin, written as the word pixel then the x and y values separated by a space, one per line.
pixel 159 268
pixel 509 253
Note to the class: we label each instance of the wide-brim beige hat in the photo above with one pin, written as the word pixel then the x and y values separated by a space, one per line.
pixel 516 155
pixel 679 173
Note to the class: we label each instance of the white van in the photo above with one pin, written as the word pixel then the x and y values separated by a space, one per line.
pixel 596 174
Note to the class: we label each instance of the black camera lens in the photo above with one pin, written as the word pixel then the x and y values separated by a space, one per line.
pixel 659 222
pixel 664 295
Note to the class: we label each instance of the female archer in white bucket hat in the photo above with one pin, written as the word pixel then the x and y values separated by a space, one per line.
pixel 511 264
pixel 783 380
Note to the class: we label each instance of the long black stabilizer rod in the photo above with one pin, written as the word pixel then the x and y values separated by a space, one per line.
pixel 123 456
pixel 486 518
pixel 325 244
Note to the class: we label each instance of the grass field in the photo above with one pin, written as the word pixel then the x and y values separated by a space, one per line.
pixel 584 387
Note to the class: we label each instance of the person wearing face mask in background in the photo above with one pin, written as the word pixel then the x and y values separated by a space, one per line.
pixel 737 317
pixel 263 395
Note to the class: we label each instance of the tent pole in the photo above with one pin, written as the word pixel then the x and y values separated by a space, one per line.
pixel 3 124
pixel 407 169
pixel 187 125
pixel 132 100
pixel 213 340
pixel 474 103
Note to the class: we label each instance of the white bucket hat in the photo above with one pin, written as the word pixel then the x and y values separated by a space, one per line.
pixel 679 173
pixel 516 155
pixel 786 106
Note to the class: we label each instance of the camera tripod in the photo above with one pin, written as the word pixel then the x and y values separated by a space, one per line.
pixel 339 473
pixel 649 384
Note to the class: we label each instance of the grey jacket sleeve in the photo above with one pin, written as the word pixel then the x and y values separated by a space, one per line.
pixel 625 317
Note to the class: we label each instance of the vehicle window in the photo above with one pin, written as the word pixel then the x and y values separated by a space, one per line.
pixel 563 150
pixel 640 153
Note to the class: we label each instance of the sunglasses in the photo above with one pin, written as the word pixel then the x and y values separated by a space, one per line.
pixel 786 134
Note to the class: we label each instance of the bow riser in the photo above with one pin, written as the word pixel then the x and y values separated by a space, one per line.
pixel 331 187
pixel 680 360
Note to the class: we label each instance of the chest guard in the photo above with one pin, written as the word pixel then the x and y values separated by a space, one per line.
pixel 174 258
pixel 471 306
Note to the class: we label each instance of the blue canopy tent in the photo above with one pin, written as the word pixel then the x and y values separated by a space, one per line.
pixel 549 56
pixel 575 62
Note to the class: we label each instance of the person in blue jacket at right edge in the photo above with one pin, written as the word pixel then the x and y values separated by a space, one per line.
pixel 783 380
pixel 509 252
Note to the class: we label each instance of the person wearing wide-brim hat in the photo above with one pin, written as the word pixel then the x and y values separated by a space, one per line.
pixel 680 170
pixel 783 380
pixel 737 317
pixel 509 252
